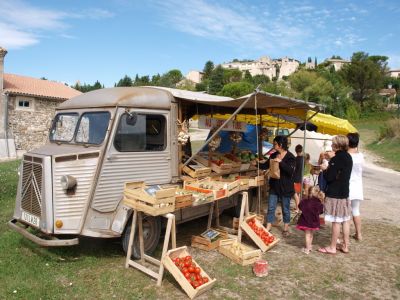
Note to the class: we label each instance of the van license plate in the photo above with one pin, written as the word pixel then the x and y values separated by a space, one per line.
pixel 31 219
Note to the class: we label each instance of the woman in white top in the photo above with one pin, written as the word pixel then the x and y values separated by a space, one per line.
pixel 356 187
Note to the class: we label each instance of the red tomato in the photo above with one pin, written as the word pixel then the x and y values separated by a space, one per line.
pixel 177 263
pixel 187 263
pixel 181 265
pixel 197 270
pixel 184 270
pixel 187 275
pixel 178 260
pixel 196 284
pixel 188 257
pixel 198 277
pixel 191 269
pixel 205 279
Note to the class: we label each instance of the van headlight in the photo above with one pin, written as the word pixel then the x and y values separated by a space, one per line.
pixel 68 182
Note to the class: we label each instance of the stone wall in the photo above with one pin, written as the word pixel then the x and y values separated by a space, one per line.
pixel 30 128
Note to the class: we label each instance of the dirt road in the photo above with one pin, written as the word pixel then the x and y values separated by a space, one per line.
pixel 381 192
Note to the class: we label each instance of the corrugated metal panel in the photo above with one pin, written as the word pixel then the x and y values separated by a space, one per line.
pixel 70 207
pixel 151 167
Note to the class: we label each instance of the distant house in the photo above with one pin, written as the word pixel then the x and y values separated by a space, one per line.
pixel 27 106
pixel 337 63
pixel 394 73
pixel 195 76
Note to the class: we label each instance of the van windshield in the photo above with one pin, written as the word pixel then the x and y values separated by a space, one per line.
pixel 88 128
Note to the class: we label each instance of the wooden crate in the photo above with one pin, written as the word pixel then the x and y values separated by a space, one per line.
pixel 180 278
pixel 246 256
pixel 257 181
pixel 244 167
pixel 205 244
pixel 235 222
pixel 225 168
pixel 202 198
pixel 254 237
pixel 183 199
pixel 232 185
pixel 196 170
pixel 162 202
pixel 211 187
pixel 244 183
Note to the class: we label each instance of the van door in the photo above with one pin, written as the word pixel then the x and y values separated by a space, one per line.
pixel 138 151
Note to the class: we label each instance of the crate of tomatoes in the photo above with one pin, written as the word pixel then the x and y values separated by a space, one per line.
pixel 258 233
pixel 190 276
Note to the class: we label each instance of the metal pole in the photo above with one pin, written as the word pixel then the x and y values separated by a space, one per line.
pixel 220 128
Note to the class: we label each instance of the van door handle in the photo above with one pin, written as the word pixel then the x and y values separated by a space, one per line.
pixel 111 157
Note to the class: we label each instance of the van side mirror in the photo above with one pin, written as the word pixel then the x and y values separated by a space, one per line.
pixel 131 118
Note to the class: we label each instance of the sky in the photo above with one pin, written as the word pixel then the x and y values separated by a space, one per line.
pixel 85 41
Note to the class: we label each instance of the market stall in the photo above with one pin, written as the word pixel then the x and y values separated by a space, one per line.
pixel 209 175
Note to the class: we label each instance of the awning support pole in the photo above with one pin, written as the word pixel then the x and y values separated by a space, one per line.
pixel 220 128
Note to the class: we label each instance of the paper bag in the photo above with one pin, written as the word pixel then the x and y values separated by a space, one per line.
pixel 274 171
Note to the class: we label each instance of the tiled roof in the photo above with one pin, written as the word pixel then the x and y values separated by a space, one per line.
pixel 28 86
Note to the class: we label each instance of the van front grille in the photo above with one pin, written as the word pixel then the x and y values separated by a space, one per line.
pixel 31 192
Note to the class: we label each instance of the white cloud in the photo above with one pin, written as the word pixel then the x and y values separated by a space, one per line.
pixel 22 24
pixel 13 38
pixel 233 24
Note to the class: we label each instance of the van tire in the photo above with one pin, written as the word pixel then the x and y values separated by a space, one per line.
pixel 151 236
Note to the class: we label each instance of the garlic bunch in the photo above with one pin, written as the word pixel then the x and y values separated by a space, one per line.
pixel 236 137
pixel 215 143
pixel 183 137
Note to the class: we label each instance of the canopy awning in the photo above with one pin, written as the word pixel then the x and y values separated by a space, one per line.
pixel 323 123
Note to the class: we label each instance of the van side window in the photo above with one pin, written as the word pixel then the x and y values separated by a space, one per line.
pixel 140 133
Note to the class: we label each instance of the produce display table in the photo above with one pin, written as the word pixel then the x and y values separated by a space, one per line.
pixel 170 233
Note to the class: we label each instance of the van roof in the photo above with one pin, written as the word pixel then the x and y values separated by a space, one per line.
pixel 161 98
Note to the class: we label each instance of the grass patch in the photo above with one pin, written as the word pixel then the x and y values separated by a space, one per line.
pixel 94 269
pixel 389 149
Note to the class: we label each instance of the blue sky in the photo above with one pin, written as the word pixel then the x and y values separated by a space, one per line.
pixel 104 40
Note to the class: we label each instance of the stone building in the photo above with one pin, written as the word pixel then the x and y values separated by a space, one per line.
pixel 27 107
pixel 337 63
pixel 266 66
pixel 286 66
pixel 195 76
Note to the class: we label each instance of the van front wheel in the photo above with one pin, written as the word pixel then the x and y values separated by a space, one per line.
pixel 151 236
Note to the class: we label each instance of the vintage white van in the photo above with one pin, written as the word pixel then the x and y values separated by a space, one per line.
pixel 73 186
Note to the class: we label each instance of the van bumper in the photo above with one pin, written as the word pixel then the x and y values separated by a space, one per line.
pixel 52 242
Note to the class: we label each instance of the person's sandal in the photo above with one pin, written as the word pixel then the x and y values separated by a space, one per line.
pixel 285 233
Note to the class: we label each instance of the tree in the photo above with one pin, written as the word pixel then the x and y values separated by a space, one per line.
pixel 236 89
pixel 126 81
pixel 142 81
pixel 171 78
pixel 248 77
pixel 216 81
pixel 299 81
pixel 207 70
pixel 155 79
pixel 364 75
pixel 260 80
pixel 232 75
pixel 87 87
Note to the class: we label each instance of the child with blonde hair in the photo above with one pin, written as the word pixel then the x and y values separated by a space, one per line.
pixel 311 207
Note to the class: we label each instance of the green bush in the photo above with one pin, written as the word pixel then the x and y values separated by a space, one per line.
pixel 353 111
pixel 390 130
